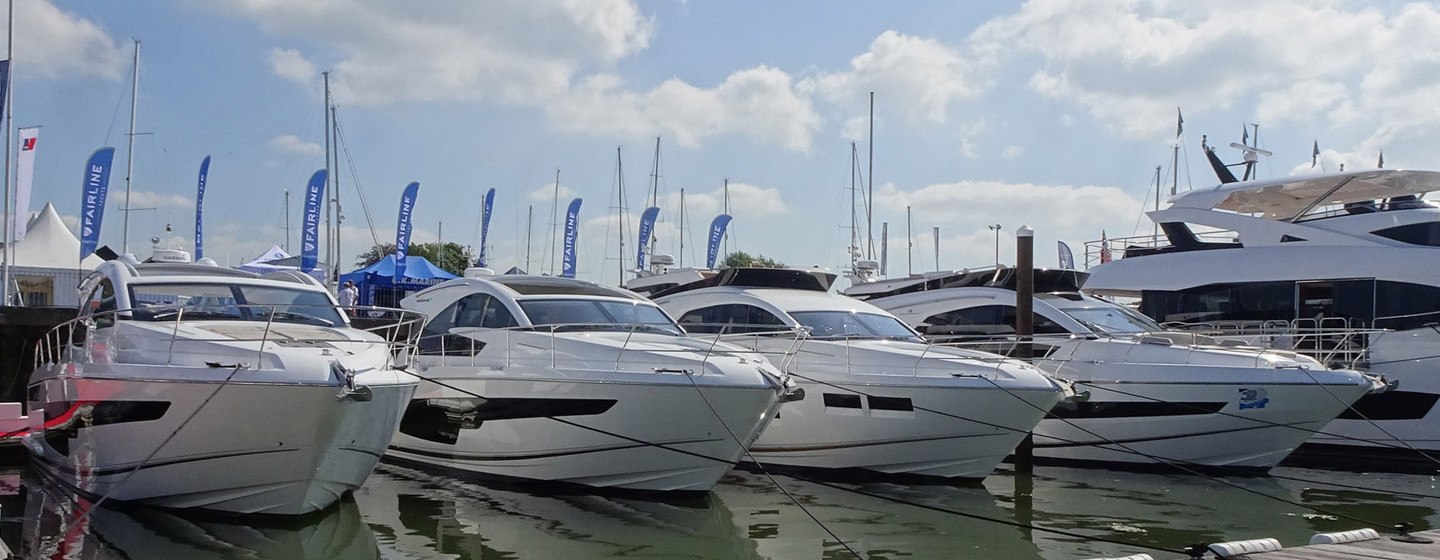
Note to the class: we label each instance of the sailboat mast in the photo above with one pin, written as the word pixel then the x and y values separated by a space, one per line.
pixel 9 118
pixel 339 216
pixel 620 209
pixel 287 221
pixel 129 151
pixel 654 196
pixel 854 218
pixel 682 227
pixel 870 179
pixel 329 208
pixel 909 243
pixel 1157 198
pixel 555 220
pixel 529 224
pixel 726 191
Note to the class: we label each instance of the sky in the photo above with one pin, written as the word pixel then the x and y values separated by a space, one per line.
pixel 1048 114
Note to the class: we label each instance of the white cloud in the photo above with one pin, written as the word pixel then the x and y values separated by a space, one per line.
pixel 54 43
pixel 969 136
pixel 1011 152
pixel 759 102
pixel 291 65
pixel 292 144
pixel 923 76
pixel 546 193
pixel 746 202
pixel 385 52
pixel 1129 64
pixel 147 199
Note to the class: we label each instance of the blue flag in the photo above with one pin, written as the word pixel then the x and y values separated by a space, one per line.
pixel 485 225
pixel 199 209
pixel 4 80
pixel 717 233
pixel 572 224
pixel 310 231
pixel 647 227
pixel 1067 259
pixel 402 228
pixel 92 204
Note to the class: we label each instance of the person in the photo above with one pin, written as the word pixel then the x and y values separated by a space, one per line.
pixel 348 295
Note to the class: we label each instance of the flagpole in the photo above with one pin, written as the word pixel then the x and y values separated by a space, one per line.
pixel 9 125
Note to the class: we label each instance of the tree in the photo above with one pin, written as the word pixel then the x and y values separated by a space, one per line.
pixel 453 257
pixel 741 259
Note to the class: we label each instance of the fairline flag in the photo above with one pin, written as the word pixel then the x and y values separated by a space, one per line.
pixel 572 227
pixel 310 231
pixel 1067 259
pixel 92 201
pixel 647 228
pixel 24 176
pixel 199 208
pixel 717 234
pixel 402 228
pixel 485 225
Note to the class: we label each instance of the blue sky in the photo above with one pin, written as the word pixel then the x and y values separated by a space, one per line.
pixel 1051 114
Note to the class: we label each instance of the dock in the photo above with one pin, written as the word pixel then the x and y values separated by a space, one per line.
pixel 1350 545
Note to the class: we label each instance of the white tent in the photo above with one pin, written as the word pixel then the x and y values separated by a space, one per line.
pixel 49 244
pixel 276 259
pixel 259 265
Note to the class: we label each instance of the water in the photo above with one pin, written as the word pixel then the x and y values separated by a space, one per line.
pixel 404 513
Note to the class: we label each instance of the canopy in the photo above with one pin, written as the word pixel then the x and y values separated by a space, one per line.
pixel 276 259
pixel 49 244
pixel 378 285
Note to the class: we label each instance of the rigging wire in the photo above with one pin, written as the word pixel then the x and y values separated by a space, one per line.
pixel 355 180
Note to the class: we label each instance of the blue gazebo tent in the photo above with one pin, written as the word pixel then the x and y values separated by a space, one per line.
pixel 378 285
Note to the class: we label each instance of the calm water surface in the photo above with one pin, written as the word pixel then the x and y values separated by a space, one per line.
pixel 404 513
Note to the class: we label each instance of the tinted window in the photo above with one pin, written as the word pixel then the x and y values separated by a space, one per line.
pixel 1112 319
pixel 1401 305
pixel 985 320
pixel 731 318
pixel 474 310
pixel 590 314
pixel 846 324
pixel 234 302
pixel 1427 233
pixel 102 304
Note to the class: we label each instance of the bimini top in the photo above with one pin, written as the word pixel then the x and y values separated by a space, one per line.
pixel 1046 280
pixel 1288 197
pixel 780 278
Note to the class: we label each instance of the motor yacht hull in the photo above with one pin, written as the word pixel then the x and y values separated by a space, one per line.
pixel 937 430
pixel 1248 424
pixel 250 445
pixel 650 432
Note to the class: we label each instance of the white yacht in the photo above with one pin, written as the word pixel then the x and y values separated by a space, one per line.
pixel 1294 259
pixel 190 386
pixel 1154 396
pixel 877 397
pixel 555 379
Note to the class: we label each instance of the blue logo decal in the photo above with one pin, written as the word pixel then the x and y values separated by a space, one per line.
pixel 1253 398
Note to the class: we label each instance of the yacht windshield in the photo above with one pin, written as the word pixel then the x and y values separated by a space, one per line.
pixel 848 324
pixel 594 314
pixel 1113 320
pixel 232 302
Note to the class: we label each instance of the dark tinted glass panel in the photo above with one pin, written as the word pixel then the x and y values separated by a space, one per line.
pixel 1401 305
pixel 842 400
pixel 1427 233
pixel 891 403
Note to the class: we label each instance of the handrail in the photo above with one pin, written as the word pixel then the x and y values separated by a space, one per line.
pixel 51 349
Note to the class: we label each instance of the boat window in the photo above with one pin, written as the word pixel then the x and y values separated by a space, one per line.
pixel 474 310
pixel 1402 305
pixel 590 314
pixel 1427 233
pixel 985 320
pixel 731 318
pixel 102 304
pixel 850 324
pixel 1113 320
pixel 232 302
pixel 1256 301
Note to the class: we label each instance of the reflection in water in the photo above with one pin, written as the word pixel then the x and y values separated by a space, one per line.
pixel 55 527
pixel 455 519
pixel 410 514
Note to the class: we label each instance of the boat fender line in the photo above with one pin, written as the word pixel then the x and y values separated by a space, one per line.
pixel 1140 556
pixel 1237 550
pixel 1342 537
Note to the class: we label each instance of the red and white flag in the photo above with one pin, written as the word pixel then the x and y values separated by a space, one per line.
pixel 1104 248
pixel 24 172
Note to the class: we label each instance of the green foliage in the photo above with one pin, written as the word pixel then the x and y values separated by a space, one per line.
pixel 453 257
pixel 741 259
